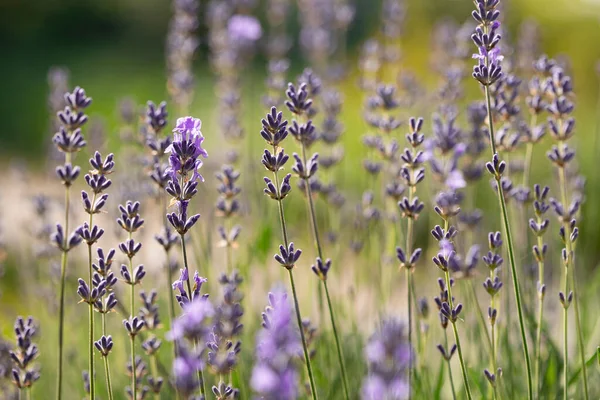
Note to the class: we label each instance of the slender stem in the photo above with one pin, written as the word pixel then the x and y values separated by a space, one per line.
pixel 409 241
pixel 313 218
pixel 29 393
pixel 63 276
pixel 304 346
pixel 570 265
pixel 480 316
pixel 154 370
pixel 132 343
pixel 449 367
pixel 132 337
pixel 91 350
pixel 529 154
pixel 540 320
pixel 511 253
pixel 292 283
pixel 457 339
pixel 337 342
pixel 189 287
pixel 108 381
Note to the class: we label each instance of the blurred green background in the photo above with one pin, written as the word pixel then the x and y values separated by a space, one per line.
pixel 115 48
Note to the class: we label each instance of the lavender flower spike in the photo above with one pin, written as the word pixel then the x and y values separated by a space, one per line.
pixel 274 376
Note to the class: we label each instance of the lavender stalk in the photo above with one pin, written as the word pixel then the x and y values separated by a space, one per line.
pixel 299 104
pixel 487 71
pixel 68 140
pixel 274 131
pixel 183 161
pixel 98 182
pixel 131 221
pixel 562 127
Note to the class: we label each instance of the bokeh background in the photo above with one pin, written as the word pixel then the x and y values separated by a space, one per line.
pixel 116 49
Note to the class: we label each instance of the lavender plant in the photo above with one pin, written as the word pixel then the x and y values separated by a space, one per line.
pixel 224 344
pixel 130 221
pixel 487 71
pixel 299 104
pixel 274 375
pixel 25 373
pixel 492 286
pixel 227 207
pixel 191 331
pixel 558 88
pixel 92 292
pixel 274 131
pixel 411 174
pixel 183 170
pixel 388 354
pixel 68 140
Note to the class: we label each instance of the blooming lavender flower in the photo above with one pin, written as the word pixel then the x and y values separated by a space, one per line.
pixel 274 375
pixel 183 160
pixel 190 331
pixel 24 373
pixel 388 354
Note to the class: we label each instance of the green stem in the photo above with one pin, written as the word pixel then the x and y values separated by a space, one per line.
pixel 409 240
pixel 529 154
pixel 292 283
pixel 511 253
pixel 481 317
pixel 132 342
pixel 457 339
pixel 540 320
pixel 337 342
pixel 313 218
pixel 154 371
pixel 108 382
pixel 63 276
pixel 189 288
pixel 304 346
pixel 570 265
pixel 449 367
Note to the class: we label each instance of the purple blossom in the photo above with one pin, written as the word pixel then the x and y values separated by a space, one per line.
pixel 243 29
pixel 388 354
pixel 274 375
pixel 194 322
pixel 186 148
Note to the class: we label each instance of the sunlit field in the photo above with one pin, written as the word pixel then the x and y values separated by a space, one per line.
pixel 328 199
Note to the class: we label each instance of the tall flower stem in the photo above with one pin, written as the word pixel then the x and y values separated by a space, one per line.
pixel 481 317
pixel 540 320
pixel 132 337
pixel 570 265
pixel 106 363
pixel 292 283
pixel 529 154
pixel 189 288
pixel 91 317
pixel 511 252
pixel 449 367
pixel 169 274
pixel 455 330
pixel 315 228
pixel 108 382
pixel 409 288
pixel 63 278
